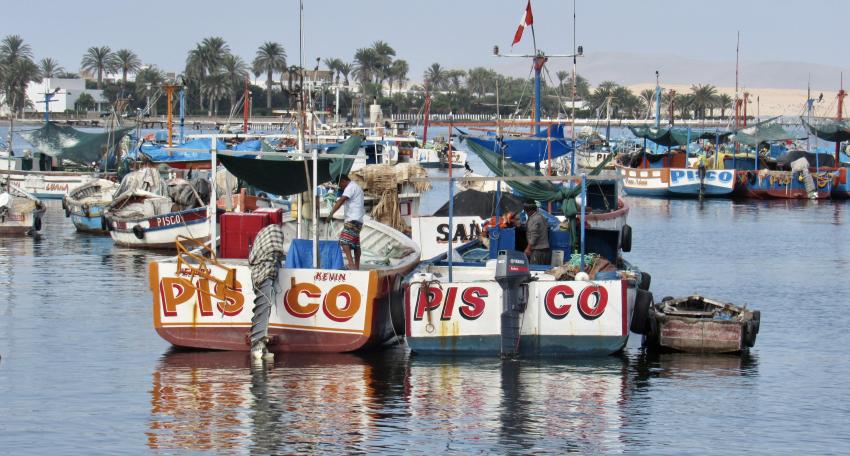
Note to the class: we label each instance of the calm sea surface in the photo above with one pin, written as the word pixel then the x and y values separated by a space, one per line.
pixel 83 372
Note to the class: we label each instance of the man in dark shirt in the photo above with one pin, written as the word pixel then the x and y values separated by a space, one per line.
pixel 537 234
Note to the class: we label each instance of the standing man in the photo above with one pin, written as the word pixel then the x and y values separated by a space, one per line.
pixel 537 234
pixel 349 238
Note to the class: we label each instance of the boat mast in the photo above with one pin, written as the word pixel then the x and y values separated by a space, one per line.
pixel 841 95
pixel 302 114
pixel 737 101
pixel 573 101
pixel 245 107
pixel 427 114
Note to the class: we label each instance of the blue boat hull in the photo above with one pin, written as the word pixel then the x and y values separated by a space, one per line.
pixel 529 346
pixel 88 224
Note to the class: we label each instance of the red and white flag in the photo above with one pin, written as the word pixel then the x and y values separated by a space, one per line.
pixel 526 20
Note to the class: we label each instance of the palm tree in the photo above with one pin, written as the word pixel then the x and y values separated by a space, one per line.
pixel 647 96
pixel 333 66
pixel 724 102
pixel 703 97
pixel 98 60
pixel 17 70
pixel 50 68
pixel 345 69
pixel 216 86
pixel 435 77
pixel 205 60
pixel 454 77
pixel 562 76
pixel 385 54
pixel 128 62
pixel 13 48
pixel 366 65
pixel 236 73
pixel 270 59
pixel 148 80
pixel 398 72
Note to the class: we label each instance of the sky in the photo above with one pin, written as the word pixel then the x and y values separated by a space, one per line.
pixel 679 38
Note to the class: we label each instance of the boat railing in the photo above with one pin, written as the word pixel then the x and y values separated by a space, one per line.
pixel 192 259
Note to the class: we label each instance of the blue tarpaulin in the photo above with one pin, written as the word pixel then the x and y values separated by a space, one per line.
pixel 300 255
pixel 529 149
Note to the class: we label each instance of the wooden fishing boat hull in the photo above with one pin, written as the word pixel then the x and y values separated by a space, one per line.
pixel 688 329
pixel 16 224
pixel 317 310
pixel 90 221
pixel 781 185
pixel 161 231
pixel 676 182
pixel 19 216
pixel 48 184
pixel 563 318
pixel 429 158
pixel 841 189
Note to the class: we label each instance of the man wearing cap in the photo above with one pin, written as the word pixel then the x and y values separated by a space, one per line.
pixel 537 234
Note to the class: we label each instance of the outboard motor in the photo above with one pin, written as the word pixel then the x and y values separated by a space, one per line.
pixel 512 275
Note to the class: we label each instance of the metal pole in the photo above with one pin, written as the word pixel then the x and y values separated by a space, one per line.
pixel 169 90
pixel 537 67
pixel 451 199
pixel 213 206
pixel 182 113
pixel 549 159
pixel 583 206
pixel 573 115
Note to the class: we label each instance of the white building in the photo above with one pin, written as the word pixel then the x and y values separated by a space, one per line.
pixel 69 90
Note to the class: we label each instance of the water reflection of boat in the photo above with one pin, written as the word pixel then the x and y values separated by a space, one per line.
pixel 687 365
pixel 208 401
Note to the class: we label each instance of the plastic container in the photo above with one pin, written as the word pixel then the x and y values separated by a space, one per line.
pixel 238 231
pixel 275 214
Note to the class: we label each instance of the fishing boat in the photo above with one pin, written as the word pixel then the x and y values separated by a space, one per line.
pixel 20 212
pixel 150 213
pixel 670 174
pixel 835 130
pixel 86 204
pixel 549 143
pixel 485 298
pixel 702 325
pixel 205 302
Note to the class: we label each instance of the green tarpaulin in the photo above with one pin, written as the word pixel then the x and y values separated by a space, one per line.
pixel 769 130
pixel 676 136
pixel 283 176
pixel 68 143
pixel 833 130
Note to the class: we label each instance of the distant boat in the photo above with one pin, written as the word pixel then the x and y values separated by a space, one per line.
pixel 86 204
pixel 20 212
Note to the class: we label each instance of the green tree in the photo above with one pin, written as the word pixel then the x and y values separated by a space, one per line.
pixel 85 102
pixel 128 62
pixel 435 77
pixel 216 87
pixel 98 60
pixel 236 74
pixel 148 82
pixel 203 61
pixel 270 59
pixel 50 68
pixel 367 63
pixel 724 102
pixel 346 69
pixel 703 98
pixel 333 67
pixel 398 73
pixel 17 70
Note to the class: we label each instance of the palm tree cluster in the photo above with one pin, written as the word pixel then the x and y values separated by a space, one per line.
pixel 215 73
pixel 102 60
pixel 372 66
pixel 17 70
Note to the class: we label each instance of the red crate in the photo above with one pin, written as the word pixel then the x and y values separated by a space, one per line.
pixel 238 231
pixel 275 213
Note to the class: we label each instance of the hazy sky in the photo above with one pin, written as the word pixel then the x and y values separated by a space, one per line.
pixel 457 33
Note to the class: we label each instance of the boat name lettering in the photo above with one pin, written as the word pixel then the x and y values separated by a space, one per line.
pixel 57 187
pixel 169 220
pixel 472 300
pixel 690 175
pixel 463 232
pixel 306 307
pixel 175 291
pixel 330 276
pixel 560 299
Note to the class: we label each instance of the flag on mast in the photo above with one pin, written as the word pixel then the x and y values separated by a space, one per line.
pixel 526 20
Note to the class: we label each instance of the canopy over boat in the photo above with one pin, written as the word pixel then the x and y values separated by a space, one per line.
pixel 67 143
pixel 197 150
pixel 530 149
pixel 280 175
pixel 766 131
pixel 828 129
pixel 675 136
pixel 480 204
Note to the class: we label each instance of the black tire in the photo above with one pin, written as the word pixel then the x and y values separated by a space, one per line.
pixel 645 281
pixel 36 223
pixel 104 225
pixel 396 296
pixel 667 298
pixel 626 238
pixel 750 332
pixel 756 320
pixel 67 209
pixel 641 313
pixel 139 232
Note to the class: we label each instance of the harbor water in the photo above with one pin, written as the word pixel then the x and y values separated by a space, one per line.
pixel 83 372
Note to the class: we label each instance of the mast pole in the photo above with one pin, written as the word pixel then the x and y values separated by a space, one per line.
pixel 427 115
pixel 245 108
pixel 182 111
pixel 451 197
pixel 841 95
pixel 573 108
pixel 169 91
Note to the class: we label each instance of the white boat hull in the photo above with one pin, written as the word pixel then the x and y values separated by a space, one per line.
pixel 160 232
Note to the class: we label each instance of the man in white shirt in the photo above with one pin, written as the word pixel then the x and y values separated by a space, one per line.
pixel 349 238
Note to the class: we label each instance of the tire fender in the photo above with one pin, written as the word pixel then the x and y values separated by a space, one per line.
pixel 626 238
pixel 139 232
pixel 641 313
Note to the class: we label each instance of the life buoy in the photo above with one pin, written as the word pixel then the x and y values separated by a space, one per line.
pixel 139 232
